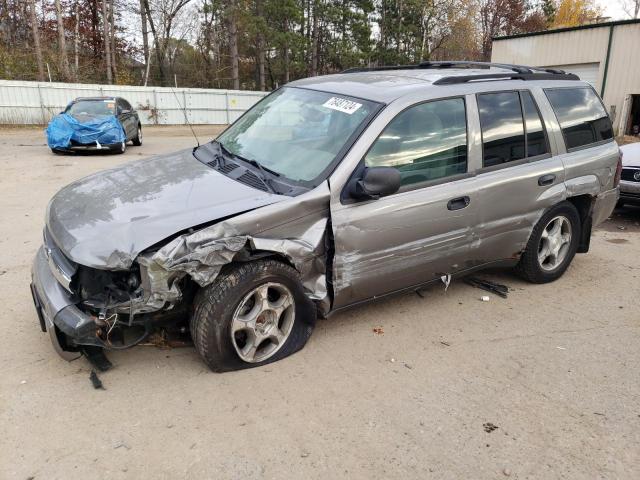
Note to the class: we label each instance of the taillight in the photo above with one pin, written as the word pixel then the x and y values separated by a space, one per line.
pixel 616 179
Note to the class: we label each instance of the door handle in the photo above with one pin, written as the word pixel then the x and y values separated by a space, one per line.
pixel 458 203
pixel 546 180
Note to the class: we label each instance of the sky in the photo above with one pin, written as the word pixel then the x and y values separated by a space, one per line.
pixel 613 9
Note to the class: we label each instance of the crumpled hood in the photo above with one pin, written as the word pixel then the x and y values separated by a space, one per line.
pixel 106 219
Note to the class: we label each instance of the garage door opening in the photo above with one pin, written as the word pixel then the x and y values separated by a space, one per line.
pixel 633 123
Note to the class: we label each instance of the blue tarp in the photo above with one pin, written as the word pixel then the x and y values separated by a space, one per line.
pixel 63 128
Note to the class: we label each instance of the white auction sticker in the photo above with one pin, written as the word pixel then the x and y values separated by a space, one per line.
pixel 342 105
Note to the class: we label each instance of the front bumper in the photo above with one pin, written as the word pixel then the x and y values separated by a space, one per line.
pixel 630 191
pixel 67 325
pixel 91 147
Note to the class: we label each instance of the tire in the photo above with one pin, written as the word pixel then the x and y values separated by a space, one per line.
pixel 57 152
pixel 217 305
pixel 531 267
pixel 122 147
pixel 137 140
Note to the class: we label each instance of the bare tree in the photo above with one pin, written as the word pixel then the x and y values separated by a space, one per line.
pixel 112 27
pixel 106 40
pixel 76 41
pixel 36 39
pixel 162 15
pixel 631 7
pixel 62 44
pixel 233 47
pixel 145 40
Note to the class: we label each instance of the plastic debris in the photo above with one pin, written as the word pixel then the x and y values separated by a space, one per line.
pixel 485 298
pixel 378 331
pixel 446 279
pixel 497 288
pixel 95 381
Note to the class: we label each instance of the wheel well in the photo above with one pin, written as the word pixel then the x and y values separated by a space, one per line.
pixel 584 205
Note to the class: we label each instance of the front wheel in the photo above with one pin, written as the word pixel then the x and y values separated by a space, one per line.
pixel 254 314
pixel 552 245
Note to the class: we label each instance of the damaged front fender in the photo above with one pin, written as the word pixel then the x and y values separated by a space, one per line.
pixel 294 230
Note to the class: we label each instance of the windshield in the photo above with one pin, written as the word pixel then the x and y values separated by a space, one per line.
pixel 92 107
pixel 297 133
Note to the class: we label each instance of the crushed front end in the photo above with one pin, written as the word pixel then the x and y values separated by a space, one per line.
pixel 86 307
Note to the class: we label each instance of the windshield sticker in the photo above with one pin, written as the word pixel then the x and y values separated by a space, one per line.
pixel 342 105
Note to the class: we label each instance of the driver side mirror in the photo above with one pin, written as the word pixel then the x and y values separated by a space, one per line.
pixel 376 182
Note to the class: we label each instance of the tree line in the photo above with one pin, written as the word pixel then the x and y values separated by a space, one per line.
pixel 255 44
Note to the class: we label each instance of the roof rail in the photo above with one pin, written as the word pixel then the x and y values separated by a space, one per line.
pixel 442 65
pixel 542 75
pixel 521 69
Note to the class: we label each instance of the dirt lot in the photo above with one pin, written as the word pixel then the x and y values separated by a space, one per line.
pixel 554 368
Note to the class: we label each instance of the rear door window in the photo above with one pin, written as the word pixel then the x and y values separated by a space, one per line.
pixel 512 128
pixel 503 138
pixel 582 117
pixel 536 135
pixel 425 142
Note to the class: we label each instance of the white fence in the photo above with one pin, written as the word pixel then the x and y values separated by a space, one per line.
pixel 36 102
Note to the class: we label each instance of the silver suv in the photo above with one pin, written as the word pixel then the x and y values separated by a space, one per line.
pixel 330 192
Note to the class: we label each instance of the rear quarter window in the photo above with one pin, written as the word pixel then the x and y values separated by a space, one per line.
pixel 582 117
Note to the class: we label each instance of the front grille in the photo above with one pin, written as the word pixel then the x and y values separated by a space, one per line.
pixel 629 174
pixel 61 267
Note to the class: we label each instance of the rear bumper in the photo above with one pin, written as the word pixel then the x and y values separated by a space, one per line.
pixel 67 325
pixel 604 205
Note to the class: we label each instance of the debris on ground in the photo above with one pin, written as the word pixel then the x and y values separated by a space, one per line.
pixel 165 339
pixel 23 382
pixel 378 331
pixel 410 367
pixel 97 358
pixel 95 381
pixel 489 427
pixel 484 298
pixel 446 344
pixel 446 279
pixel 489 286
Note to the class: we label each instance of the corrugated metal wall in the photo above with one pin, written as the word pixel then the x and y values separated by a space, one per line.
pixel 583 48
pixel 36 102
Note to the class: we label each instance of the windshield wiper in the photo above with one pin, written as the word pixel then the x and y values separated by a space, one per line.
pixel 264 176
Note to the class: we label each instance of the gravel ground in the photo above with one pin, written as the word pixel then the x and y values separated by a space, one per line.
pixel 543 384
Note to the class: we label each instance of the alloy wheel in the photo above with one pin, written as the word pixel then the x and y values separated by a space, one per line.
pixel 262 322
pixel 554 243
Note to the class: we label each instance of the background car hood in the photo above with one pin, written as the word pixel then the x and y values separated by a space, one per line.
pixel 631 155
pixel 106 219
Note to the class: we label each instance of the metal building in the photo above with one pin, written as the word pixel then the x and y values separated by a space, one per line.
pixel 607 55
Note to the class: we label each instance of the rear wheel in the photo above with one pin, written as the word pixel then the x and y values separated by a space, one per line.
pixel 137 140
pixel 552 245
pixel 255 314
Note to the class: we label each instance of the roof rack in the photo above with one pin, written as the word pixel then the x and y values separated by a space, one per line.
pixel 520 72
pixel 506 76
